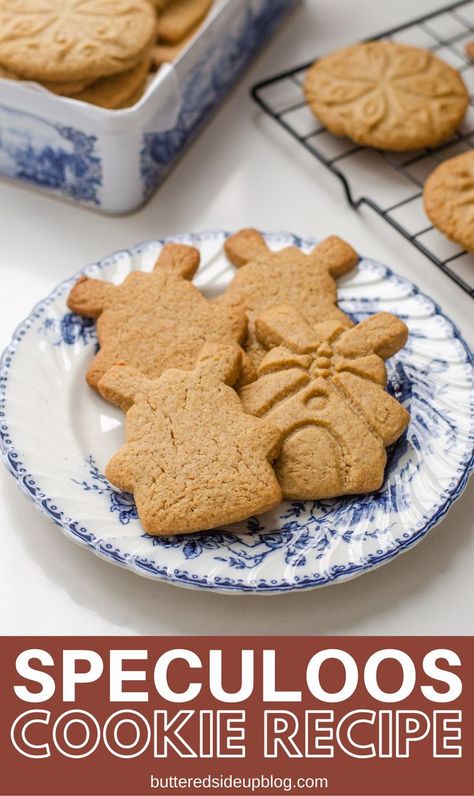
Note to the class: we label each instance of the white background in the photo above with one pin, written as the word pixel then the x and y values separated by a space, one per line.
pixel 242 171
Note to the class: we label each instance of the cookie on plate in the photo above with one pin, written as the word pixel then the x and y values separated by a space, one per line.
pixel 194 460
pixel 448 196
pixel 265 278
pixel 387 95
pixel 323 386
pixel 78 40
pixel 157 320
pixel 470 49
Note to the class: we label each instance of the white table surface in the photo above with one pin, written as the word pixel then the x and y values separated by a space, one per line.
pixel 243 170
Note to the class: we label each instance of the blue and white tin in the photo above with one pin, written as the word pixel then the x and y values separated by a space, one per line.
pixel 113 160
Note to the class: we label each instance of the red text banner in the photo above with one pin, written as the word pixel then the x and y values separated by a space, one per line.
pixel 240 715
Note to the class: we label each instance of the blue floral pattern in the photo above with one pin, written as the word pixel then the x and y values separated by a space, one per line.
pixel 59 157
pixel 299 544
pixel 70 329
pixel 120 502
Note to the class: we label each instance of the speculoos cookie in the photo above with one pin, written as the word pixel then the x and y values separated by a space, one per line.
pixel 387 95
pixel 323 386
pixel 194 459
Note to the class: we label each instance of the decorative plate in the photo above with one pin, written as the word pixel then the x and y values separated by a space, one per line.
pixel 56 436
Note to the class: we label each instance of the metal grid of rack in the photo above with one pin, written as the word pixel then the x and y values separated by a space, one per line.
pixel 391 183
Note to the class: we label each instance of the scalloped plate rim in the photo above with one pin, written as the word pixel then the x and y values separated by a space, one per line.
pixel 173 579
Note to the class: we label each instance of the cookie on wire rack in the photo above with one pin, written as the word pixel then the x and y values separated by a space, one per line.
pixel 387 95
pixel 448 197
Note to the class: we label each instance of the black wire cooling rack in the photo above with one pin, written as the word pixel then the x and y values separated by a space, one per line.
pixel 393 182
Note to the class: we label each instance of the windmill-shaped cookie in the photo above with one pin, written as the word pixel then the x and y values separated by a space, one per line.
pixel 194 459
pixel 155 320
pixel 266 278
pixel 323 387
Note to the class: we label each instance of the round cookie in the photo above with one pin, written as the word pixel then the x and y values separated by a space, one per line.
pixel 160 5
pixel 66 88
pixel 81 39
pixel 116 91
pixel 387 95
pixel 180 18
pixel 55 87
pixel 7 75
pixel 134 98
pixel 449 199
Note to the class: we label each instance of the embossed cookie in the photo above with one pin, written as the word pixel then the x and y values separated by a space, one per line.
pixel 116 91
pixel 323 387
pixel 67 89
pixel 166 53
pixel 157 320
pixel 56 87
pixel 265 278
pixel 179 18
pixel 448 196
pixel 194 459
pixel 387 95
pixel 74 40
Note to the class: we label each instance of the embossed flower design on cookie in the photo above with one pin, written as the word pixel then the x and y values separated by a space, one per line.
pixel 68 40
pixel 387 95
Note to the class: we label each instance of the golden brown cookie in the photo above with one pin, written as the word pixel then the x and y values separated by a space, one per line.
pixel 79 39
pixel 7 75
pixel 157 320
pixel 67 89
pixel 323 387
pixel 167 53
pixel 160 5
pixel 449 199
pixel 387 95
pixel 265 278
pixel 116 91
pixel 194 460
pixel 56 87
pixel 131 101
pixel 179 18
pixel 470 49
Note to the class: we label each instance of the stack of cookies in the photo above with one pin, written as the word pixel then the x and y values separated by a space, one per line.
pixel 267 392
pixel 97 51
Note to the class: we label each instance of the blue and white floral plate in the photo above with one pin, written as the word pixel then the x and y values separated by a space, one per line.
pixel 56 436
